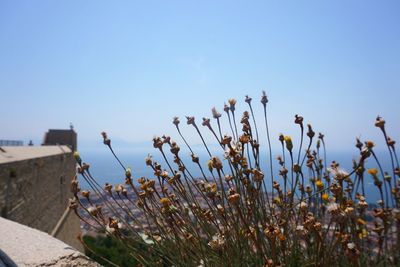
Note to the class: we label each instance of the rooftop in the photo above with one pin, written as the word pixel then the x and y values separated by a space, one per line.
pixel 19 153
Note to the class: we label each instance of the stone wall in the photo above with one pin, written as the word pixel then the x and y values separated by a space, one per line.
pixel 68 228
pixel 23 246
pixel 35 192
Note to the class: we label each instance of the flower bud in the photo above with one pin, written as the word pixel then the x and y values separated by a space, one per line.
pixel 289 144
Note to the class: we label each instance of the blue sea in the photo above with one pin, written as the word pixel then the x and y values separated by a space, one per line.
pixel 105 168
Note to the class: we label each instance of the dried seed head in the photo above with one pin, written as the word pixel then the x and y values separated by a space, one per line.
pixel 380 123
pixel 176 121
pixel 349 211
pixel 276 185
pixel 363 204
pixel 75 185
pixel 190 120
pixel 106 140
pixel 258 175
pixel 244 139
pixel 125 192
pixel 215 113
pixel 228 178
pixel 174 148
pixel 369 144
pixel 216 163
pixel 195 158
pixel 151 183
pixel 318 226
pixel 281 138
pixel 226 108
pixel 118 188
pixel 226 140
pixel 301 230
pixel 85 166
pixel 157 142
pixel 234 198
pixel 206 122
pixel 264 98
pixel 272 231
pixel 283 171
pixel 166 139
pixel 310 132
pixel 248 99
pixel 232 103
pixel 164 174
pixel 390 142
pixel 85 194
pixel 296 168
pixel 149 160
pixel 298 119
pixel 108 187
pixel 73 205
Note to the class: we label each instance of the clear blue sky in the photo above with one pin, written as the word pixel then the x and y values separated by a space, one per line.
pixel 128 67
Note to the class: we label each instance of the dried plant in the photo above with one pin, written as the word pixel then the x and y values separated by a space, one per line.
pixel 303 214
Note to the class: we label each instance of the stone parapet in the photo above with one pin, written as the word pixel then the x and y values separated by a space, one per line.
pixel 24 246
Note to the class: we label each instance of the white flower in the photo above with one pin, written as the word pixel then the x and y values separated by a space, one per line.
pixel 303 205
pixel 92 211
pixel 110 230
pixel 146 239
pixel 351 246
pixel 217 242
pixel 333 207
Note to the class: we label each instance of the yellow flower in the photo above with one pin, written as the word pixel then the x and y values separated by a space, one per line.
pixel 319 184
pixel 363 234
pixel 165 202
pixel 77 157
pixel 288 141
pixel 210 165
pixel 325 197
pixel 277 200
pixel 361 221
pixel 128 173
pixel 373 171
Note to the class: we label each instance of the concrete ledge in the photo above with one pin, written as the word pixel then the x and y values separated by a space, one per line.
pixel 25 246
